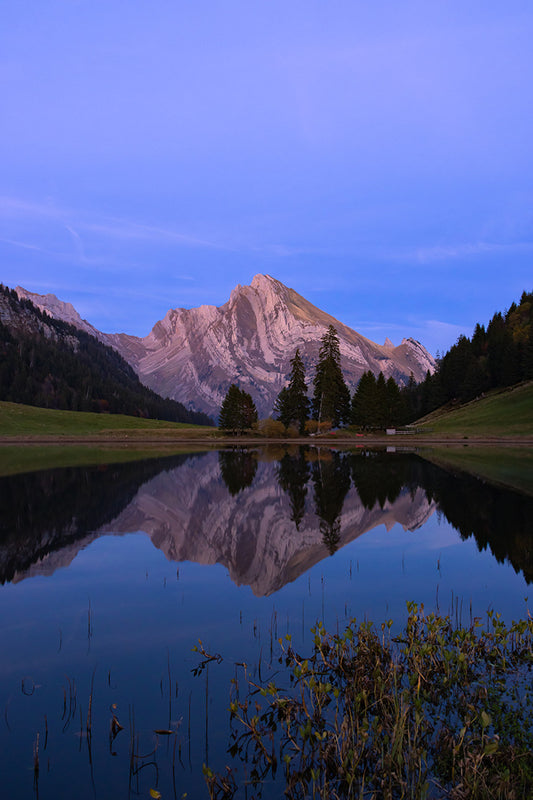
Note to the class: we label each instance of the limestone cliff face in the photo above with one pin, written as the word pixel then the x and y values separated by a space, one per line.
pixel 193 355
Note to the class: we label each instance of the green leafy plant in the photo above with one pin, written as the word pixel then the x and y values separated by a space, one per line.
pixel 437 711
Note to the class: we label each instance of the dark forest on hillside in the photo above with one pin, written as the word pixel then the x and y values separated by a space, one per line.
pixel 498 356
pixel 48 363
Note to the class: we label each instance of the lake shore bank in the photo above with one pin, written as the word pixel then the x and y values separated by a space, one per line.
pixel 218 440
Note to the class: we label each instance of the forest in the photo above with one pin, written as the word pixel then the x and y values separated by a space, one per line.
pixel 496 356
pixel 48 363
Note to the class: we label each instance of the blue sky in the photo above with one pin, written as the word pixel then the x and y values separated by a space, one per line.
pixel 375 156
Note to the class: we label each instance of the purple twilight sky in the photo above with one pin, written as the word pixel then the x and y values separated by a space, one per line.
pixel 375 156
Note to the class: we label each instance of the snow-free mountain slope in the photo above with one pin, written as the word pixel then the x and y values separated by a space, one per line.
pixel 193 355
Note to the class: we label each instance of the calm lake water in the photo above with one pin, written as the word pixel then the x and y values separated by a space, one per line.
pixel 110 575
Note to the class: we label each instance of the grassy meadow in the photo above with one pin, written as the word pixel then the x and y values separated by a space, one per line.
pixel 505 413
pixel 87 439
pixel 20 420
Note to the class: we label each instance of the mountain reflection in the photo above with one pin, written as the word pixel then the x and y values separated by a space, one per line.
pixel 268 516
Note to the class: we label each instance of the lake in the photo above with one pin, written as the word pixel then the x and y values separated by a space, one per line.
pixel 111 574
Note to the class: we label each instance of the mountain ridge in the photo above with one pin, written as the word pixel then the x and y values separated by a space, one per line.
pixel 46 361
pixel 193 355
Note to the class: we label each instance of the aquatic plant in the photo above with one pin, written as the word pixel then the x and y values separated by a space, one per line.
pixel 439 710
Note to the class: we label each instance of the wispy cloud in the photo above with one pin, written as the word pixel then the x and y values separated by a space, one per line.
pixel 425 255
pixel 126 229
pixel 77 222
pixel 24 245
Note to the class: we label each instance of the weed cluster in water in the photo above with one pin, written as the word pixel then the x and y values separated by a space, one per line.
pixel 438 711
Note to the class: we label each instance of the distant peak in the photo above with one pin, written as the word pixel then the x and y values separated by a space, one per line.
pixel 47 302
pixel 388 343
pixel 27 294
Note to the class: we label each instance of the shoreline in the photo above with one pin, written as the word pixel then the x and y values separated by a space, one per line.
pixel 166 440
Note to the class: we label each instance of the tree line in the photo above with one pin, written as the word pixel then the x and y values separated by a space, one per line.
pixel 499 355
pixel 375 403
pixel 473 507
pixel 49 363
pixel 496 356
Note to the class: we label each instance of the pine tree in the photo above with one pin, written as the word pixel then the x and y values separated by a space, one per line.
pixel 292 403
pixel 394 405
pixel 381 402
pixel 364 401
pixel 331 398
pixel 248 411
pixel 238 412
pixel 229 419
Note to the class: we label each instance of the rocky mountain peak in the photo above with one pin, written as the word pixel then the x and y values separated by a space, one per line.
pixel 193 355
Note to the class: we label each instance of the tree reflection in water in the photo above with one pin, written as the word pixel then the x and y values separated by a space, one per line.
pixel 238 468
pixel 331 482
pixel 293 475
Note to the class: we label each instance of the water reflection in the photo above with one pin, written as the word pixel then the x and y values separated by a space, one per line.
pixel 331 481
pixel 293 475
pixel 58 511
pixel 267 517
pixel 237 468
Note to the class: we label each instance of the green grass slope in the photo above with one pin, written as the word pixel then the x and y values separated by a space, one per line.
pixel 21 420
pixel 505 413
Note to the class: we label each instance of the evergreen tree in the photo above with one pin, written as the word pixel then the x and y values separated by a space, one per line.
pixel 292 404
pixel 229 419
pixel 381 402
pixel 393 403
pixel 238 412
pixel 331 397
pixel 377 403
pixel 248 411
pixel 364 401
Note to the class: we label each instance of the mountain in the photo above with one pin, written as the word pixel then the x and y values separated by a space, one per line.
pixel 193 355
pixel 48 362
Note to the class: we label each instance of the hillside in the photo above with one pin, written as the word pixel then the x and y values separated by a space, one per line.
pixel 496 356
pixel 501 413
pixel 18 420
pixel 49 363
